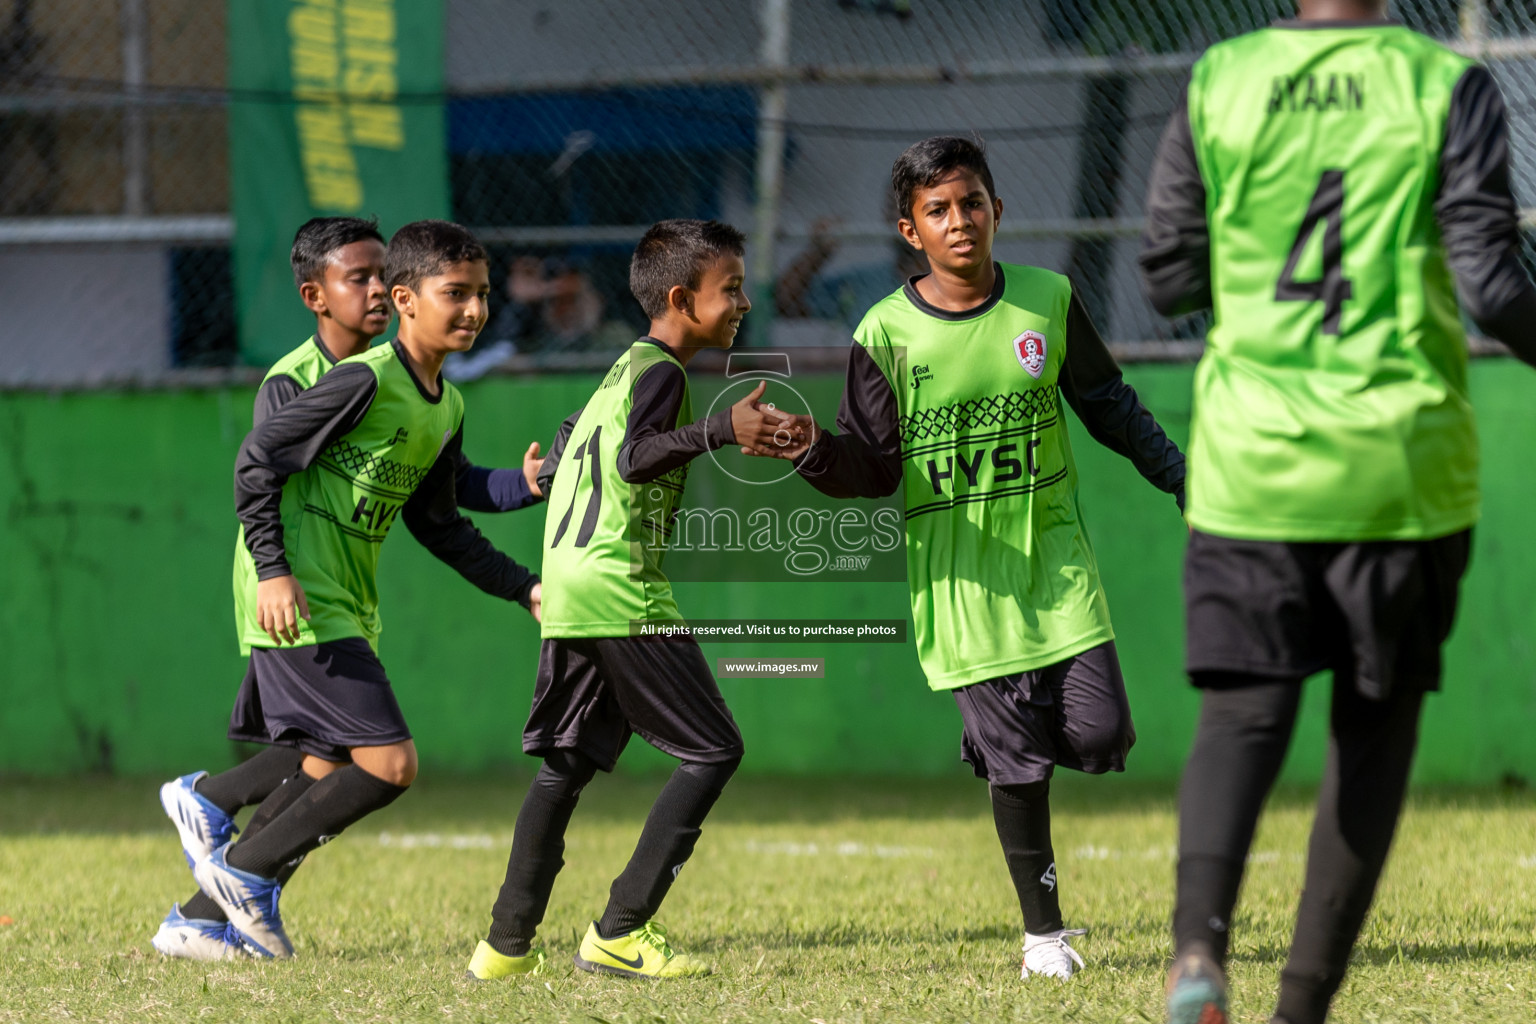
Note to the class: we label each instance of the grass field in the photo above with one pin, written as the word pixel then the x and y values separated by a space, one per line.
pixel 818 901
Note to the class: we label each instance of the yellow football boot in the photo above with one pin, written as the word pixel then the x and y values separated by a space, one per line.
pixel 643 953
pixel 488 965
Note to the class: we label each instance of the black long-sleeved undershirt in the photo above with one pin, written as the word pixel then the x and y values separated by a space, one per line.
pixel 653 444
pixel 1474 208
pixel 291 439
pixel 479 488
pixel 863 459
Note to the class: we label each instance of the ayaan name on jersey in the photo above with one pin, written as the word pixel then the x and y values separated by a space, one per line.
pixel 1296 94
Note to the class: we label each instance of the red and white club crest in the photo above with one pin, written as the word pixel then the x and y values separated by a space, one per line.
pixel 1029 349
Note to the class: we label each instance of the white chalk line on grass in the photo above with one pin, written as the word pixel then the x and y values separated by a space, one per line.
pixel 1171 853
pixel 853 849
pixel 846 848
pixel 438 840
pixel 482 841
pixel 843 849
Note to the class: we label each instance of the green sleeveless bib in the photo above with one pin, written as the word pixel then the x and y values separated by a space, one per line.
pixel 1002 574
pixel 1331 403
pixel 338 512
pixel 604 539
pixel 304 365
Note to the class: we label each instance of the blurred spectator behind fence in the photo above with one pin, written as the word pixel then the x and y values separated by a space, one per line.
pixel 804 291
pixel 551 306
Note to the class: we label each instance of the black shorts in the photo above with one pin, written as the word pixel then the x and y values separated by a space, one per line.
pixel 591 694
pixel 1074 714
pixel 1376 610
pixel 323 699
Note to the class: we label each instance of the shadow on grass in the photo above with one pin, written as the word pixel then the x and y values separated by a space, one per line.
pixel 1275 953
pixel 111 805
pixel 1151 957
pixel 852 934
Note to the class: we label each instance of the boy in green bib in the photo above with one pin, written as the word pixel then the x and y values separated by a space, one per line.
pixel 1322 186
pixel 318 485
pixel 953 399
pixel 338 268
pixel 619 467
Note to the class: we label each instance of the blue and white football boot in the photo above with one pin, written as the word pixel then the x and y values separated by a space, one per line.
pixel 188 938
pixel 202 826
pixel 249 900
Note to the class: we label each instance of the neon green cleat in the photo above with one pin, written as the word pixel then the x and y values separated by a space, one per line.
pixel 643 953
pixel 488 965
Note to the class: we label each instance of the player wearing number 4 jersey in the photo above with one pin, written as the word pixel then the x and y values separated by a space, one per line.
pixel 618 470
pixel 1322 186
pixel 953 399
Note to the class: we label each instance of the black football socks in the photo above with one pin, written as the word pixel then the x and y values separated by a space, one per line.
pixel 322 812
pixel 1370 755
pixel 251 781
pixel 1022 814
pixel 666 843
pixel 200 907
pixel 1244 728
pixel 538 850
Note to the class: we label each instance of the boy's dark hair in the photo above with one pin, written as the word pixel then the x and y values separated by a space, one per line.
pixel 424 247
pixel 675 252
pixel 924 163
pixel 318 237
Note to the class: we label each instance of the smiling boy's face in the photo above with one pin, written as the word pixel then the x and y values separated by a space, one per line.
pixel 351 291
pixel 448 310
pixel 952 222
pixel 721 301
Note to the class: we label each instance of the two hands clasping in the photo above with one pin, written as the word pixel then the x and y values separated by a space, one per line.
pixel 763 430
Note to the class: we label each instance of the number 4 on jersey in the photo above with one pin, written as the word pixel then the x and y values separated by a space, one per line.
pixel 1333 287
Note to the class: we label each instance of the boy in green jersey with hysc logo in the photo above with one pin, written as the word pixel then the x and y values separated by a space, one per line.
pixel 317 487
pixel 952 398
pixel 619 467
pixel 1328 185
pixel 338 268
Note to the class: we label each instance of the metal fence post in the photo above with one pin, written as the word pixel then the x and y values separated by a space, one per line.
pixel 773 106
pixel 134 22
pixel 1474 26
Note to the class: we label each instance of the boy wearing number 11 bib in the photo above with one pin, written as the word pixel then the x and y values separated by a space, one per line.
pixel 618 468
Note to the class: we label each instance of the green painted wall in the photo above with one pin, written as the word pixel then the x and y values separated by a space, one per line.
pixel 117 650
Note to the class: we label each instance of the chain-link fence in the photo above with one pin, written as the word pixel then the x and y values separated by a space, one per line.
pixel 572 125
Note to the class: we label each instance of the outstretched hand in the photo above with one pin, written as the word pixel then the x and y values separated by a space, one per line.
pixel 531 464
pixel 764 430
